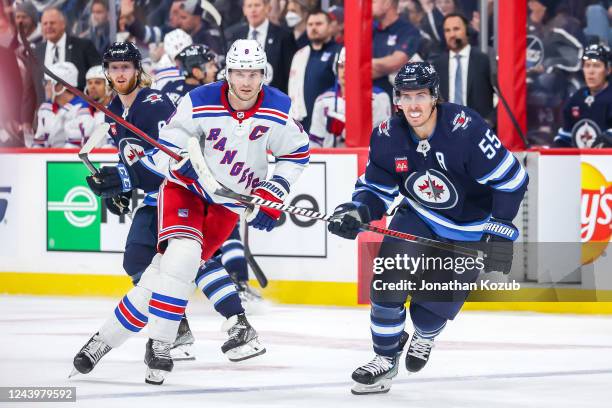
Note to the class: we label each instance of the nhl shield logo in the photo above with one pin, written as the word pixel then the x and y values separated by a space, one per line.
pixel 240 115
pixel 432 189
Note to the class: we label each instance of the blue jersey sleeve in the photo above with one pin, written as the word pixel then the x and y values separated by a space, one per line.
pixel 377 188
pixel 492 165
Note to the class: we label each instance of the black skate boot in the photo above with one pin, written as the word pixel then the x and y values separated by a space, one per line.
pixel 246 293
pixel 158 360
pixel 375 377
pixel 87 358
pixel 182 347
pixel 242 343
pixel 418 353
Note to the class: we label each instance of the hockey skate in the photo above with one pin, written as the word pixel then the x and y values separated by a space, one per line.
pixel 182 347
pixel 243 342
pixel 158 360
pixel 418 353
pixel 87 358
pixel 375 377
pixel 246 293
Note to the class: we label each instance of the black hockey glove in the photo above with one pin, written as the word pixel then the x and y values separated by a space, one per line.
pixel 112 180
pixel 119 204
pixel 347 218
pixel 498 238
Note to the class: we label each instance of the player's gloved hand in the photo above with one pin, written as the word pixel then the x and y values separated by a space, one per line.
pixel 119 204
pixel 111 181
pixel 499 237
pixel 184 170
pixel 347 218
pixel 263 218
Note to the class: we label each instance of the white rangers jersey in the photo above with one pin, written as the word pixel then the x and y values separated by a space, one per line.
pixel 66 126
pixel 235 143
pixel 328 116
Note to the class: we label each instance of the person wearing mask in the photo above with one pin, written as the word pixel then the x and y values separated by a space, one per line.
pixel 295 18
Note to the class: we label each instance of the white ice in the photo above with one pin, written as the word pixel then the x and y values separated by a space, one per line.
pixel 481 359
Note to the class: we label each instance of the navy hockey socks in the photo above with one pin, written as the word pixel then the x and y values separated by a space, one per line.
pixel 218 287
pixel 387 325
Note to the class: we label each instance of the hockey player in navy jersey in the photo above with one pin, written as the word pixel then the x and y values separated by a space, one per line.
pixel 148 110
pixel 199 65
pixel 587 115
pixel 459 184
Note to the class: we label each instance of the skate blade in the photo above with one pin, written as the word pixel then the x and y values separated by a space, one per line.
pixel 73 372
pixel 249 350
pixel 155 377
pixel 182 353
pixel 380 387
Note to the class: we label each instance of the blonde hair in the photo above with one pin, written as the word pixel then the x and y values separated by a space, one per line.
pixel 145 80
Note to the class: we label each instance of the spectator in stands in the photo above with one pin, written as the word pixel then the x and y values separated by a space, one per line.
pixel 598 27
pixel 295 18
pixel 336 14
pixel 465 72
pixel 277 42
pixel 587 115
pixel 328 117
pixel 394 42
pixel 10 85
pixel 26 18
pixel 99 29
pixel 412 11
pixel 190 21
pixel 65 120
pixel 98 89
pixel 60 46
pixel 129 21
pixel 312 68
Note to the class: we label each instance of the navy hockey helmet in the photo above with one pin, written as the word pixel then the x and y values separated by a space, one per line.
pixel 122 51
pixel 417 75
pixel 597 52
pixel 195 56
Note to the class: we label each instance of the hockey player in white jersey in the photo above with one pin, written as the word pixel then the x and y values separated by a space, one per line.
pixel 236 121
pixel 327 128
pixel 97 87
pixel 64 120
pixel 166 69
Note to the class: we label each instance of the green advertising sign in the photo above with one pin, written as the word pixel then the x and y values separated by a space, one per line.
pixel 73 211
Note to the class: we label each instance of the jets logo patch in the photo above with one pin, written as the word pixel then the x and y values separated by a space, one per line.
pixel 432 189
pixel 153 98
pixel 131 150
pixel 461 120
pixel 585 133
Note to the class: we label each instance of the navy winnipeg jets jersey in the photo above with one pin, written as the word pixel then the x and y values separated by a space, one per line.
pixel 587 120
pixel 148 113
pixel 455 180
pixel 175 90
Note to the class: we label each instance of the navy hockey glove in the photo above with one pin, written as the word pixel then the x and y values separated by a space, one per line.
pixel 264 218
pixel 184 170
pixel 111 181
pixel 499 237
pixel 347 218
pixel 119 204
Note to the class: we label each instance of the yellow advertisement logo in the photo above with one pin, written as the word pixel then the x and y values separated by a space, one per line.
pixel 595 213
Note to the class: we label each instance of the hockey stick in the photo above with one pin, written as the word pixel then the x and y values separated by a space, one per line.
pixel 261 277
pixel 96 137
pixel 211 184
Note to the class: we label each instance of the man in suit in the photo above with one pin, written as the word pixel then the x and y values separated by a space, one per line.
pixel 278 43
pixel 59 46
pixel 465 72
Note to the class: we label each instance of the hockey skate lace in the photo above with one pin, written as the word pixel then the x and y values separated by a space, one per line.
pixel 420 347
pixel 378 365
pixel 235 331
pixel 161 349
pixel 96 349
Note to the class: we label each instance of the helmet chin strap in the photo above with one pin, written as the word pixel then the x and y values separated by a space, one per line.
pixel 55 94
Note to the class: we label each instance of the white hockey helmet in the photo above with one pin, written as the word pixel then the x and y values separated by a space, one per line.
pixel 95 72
pixel 175 41
pixel 340 60
pixel 65 70
pixel 246 54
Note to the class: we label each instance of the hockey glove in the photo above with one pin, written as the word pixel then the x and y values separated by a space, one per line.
pixel 184 171
pixel 119 204
pixel 499 236
pixel 347 218
pixel 263 218
pixel 111 181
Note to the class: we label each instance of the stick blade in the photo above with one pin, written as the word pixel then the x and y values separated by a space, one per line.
pixel 205 177
pixel 96 137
